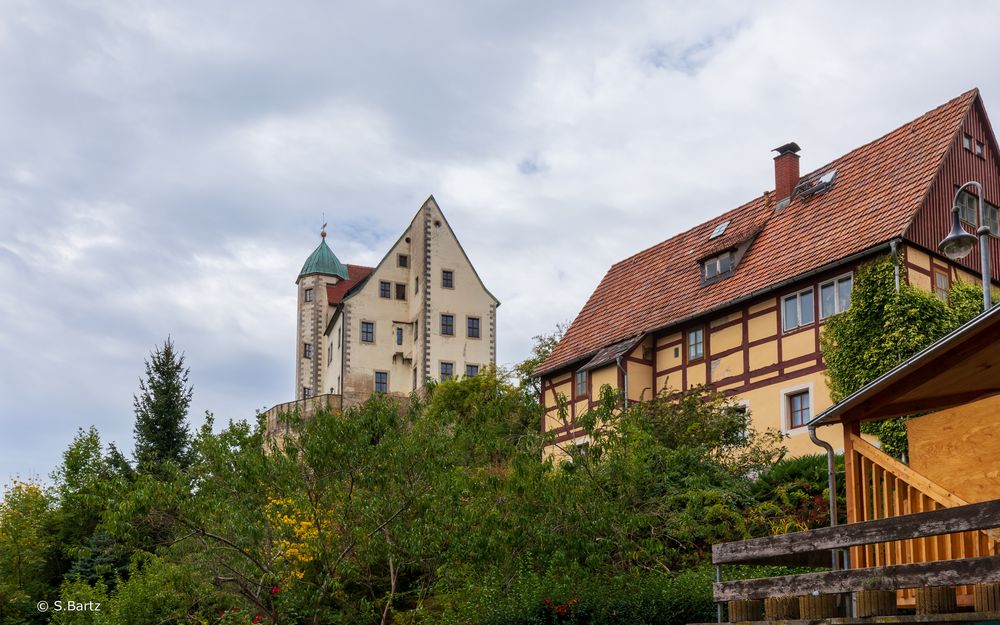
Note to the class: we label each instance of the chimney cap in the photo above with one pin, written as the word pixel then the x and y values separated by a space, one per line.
pixel 788 148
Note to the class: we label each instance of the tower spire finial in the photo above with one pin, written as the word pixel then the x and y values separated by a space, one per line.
pixel 322 232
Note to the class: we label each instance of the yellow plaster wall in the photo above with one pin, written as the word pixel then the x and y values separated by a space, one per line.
pixel 919 280
pixel 766 406
pixel 607 375
pixel 727 338
pixel 798 344
pixel 640 381
pixel 763 327
pixel 763 355
pixel 696 374
pixel 727 366
pixel 725 319
pixel 917 257
pixel 665 358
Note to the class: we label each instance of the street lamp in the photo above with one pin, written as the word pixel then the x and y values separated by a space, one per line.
pixel 958 244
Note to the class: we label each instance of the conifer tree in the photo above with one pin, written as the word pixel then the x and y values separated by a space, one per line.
pixel 161 430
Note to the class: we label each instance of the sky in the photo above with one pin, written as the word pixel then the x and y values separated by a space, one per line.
pixel 165 168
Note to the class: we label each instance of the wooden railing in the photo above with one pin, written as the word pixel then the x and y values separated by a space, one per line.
pixel 914 527
pixel 881 487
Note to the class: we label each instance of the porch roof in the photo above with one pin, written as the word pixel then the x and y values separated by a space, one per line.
pixel 962 367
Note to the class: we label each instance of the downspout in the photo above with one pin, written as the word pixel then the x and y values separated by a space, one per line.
pixel 831 476
pixel 624 370
pixel 893 246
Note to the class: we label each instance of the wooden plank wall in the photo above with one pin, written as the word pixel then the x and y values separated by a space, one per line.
pixel 959 449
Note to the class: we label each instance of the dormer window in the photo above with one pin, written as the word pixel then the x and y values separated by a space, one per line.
pixel 717 265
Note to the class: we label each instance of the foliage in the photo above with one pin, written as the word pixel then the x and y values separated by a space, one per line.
pixel 881 329
pixel 794 495
pixel 543 345
pixel 24 547
pixel 161 431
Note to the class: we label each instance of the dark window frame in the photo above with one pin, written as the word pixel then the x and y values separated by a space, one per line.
pixel 401 291
pixel 451 370
pixel 402 260
pixel 581 384
pixel 308 297
pixel 367 331
pixel 447 329
pixel 447 279
pixel 384 383
pixel 471 371
pixel 469 326
pixel 385 289
pixel 802 413
pixel 307 350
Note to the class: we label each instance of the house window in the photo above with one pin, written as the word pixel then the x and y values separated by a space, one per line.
pixel 471 371
pixel 400 291
pixel 472 327
pixel 968 208
pixel 306 392
pixel 307 350
pixel 381 382
pixel 967 142
pixel 309 295
pixel 993 219
pixel 402 260
pixel 798 409
pixel 797 310
pixel 399 336
pixel 835 296
pixel 416 329
pixel 384 289
pixel 447 278
pixel 696 344
pixel 416 285
pixel 448 325
pixel 980 148
pixel 447 371
pixel 581 383
pixel 329 354
pixel 367 331
pixel 941 285
pixel 718 265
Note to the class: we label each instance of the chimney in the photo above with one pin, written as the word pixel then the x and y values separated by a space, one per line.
pixel 786 170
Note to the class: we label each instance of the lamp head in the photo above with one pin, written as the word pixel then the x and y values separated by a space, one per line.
pixel 959 243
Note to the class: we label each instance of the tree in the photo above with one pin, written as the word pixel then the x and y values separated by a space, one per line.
pixel 882 328
pixel 24 547
pixel 543 346
pixel 161 431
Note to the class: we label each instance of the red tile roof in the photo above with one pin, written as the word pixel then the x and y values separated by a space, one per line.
pixel 355 275
pixel 878 189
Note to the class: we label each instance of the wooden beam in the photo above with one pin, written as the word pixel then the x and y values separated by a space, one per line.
pixel 977 516
pixel 942 573
pixel 930 404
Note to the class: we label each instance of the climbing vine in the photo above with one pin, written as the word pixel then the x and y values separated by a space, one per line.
pixel 882 328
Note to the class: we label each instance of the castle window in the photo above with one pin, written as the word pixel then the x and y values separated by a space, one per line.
pixel 447 278
pixel 309 295
pixel 307 350
pixel 471 371
pixel 835 296
pixel 329 354
pixel 581 383
pixel 306 392
pixel 399 336
pixel 696 344
pixel 400 291
pixel 384 289
pixel 448 325
pixel 718 265
pixel 797 310
pixel 367 331
pixel 472 327
pixel 381 382
pixel 403 260
pixel 447 371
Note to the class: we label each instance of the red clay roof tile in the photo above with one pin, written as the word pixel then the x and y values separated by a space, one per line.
pixel 355 274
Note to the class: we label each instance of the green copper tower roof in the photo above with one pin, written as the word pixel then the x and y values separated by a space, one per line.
pixel 324 261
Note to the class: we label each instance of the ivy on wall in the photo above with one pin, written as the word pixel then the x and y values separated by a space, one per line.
pixel 882 328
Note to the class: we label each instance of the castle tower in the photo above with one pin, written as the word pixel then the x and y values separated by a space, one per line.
pixel 320 270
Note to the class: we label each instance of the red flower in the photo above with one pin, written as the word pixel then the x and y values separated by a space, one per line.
pixel 257 619
pixel 275 590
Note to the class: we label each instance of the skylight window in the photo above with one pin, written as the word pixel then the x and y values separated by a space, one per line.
pixel 719 230
pixel 828 177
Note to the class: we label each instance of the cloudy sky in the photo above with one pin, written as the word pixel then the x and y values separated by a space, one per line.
pixel 165 167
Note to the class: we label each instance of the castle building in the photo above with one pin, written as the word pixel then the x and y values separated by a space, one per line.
pixel 739 301
pixel 421 314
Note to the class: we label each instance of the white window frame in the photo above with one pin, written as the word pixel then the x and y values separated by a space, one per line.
pixel 786 415
pixel 577 382
pixel 716 262
pixel 836 294
pixel 797 296
pixel 308 295
pixel 940 291
pixel 688 345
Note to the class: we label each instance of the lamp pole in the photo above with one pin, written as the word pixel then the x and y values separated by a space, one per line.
pixel 958 244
